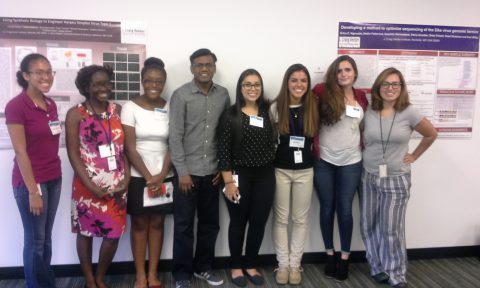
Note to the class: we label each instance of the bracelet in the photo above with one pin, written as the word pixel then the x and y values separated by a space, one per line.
pixel 229 182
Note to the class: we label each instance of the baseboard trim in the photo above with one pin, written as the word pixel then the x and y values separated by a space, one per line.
pixel 73 270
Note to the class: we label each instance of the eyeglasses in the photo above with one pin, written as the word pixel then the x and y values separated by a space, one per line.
pixel 209 66
pixel 249 86
pixel 153 82
pixel 394 85
pixel 43 73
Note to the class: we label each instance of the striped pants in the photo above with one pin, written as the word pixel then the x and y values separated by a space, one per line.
pixel 383 203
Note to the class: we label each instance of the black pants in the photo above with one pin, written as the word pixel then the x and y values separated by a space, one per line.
pixel 257 187
pixel 203 199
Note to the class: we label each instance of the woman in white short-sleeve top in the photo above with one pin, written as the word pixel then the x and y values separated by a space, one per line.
pixel 145 121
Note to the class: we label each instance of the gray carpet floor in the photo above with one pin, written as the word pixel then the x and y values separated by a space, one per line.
pixel 436 273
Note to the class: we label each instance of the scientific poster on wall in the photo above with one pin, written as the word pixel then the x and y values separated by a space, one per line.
pixel 70 45
pixel 439 64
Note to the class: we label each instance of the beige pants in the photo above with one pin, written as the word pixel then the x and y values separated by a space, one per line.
pixel 293 191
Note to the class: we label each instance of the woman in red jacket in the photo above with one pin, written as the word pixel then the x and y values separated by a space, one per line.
pixel 338 166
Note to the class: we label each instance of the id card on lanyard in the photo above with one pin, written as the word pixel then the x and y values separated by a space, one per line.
pixel 297 156
pixel 107 150
pixel 382 170
pixel 112 163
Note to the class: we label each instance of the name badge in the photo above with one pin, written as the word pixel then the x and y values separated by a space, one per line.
pixel 112 163
pixel 160 114
pixel 106 150
pixel 297 141
pixel 256 121
pixel 297 156
pixel 382 170
pixel 353 111
pixel 55 127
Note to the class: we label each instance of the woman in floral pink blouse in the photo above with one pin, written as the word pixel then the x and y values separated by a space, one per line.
pixel 95 145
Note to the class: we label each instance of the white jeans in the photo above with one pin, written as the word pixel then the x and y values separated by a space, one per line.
pixel 293 189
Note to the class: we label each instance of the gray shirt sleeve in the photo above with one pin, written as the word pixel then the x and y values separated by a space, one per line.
pixel 193 122
pixel 377 151
pixel 176 133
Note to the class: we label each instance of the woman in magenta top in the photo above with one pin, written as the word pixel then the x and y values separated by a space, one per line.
pixel 34 128
pixel 95 148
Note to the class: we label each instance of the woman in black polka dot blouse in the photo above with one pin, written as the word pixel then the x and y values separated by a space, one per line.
pixel 246 152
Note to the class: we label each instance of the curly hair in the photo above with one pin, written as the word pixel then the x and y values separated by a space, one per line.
pixel 84 77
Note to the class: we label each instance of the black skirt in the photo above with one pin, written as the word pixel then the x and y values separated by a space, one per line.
pixel 135 199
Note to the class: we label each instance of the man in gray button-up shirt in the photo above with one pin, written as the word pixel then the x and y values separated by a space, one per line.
pixel 195 110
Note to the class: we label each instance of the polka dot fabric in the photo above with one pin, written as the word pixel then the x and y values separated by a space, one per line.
pixel 257 145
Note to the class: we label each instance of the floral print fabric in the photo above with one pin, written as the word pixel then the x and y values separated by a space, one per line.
pixel 93 216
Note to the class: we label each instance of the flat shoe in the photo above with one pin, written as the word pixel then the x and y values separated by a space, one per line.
pixel 240 281
pixel 381 277
pixel 256 279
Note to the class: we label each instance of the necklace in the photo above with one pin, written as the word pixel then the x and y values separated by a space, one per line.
pixel 295 109
pixel 103 115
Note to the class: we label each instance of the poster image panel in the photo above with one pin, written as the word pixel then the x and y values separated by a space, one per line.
pixel 69 45
pixel 439 64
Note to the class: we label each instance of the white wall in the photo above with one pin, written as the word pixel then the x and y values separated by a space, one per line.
pixel 269 36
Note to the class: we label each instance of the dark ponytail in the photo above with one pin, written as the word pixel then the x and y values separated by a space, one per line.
pixel 25 66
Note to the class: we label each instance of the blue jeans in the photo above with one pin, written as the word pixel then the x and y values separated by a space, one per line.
pixel 204 200
pixel 336 186
pixel 37 233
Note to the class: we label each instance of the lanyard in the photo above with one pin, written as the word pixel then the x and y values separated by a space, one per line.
pixel 108 134
pixel 384 145
pixel 292 122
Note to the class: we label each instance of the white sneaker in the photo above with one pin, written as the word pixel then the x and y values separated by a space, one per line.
pixel 211 278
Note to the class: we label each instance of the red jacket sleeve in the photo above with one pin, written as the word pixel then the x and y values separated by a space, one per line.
pixel 318 91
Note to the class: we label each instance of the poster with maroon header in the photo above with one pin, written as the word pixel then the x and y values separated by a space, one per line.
pixel 70 45
pixel 439 64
